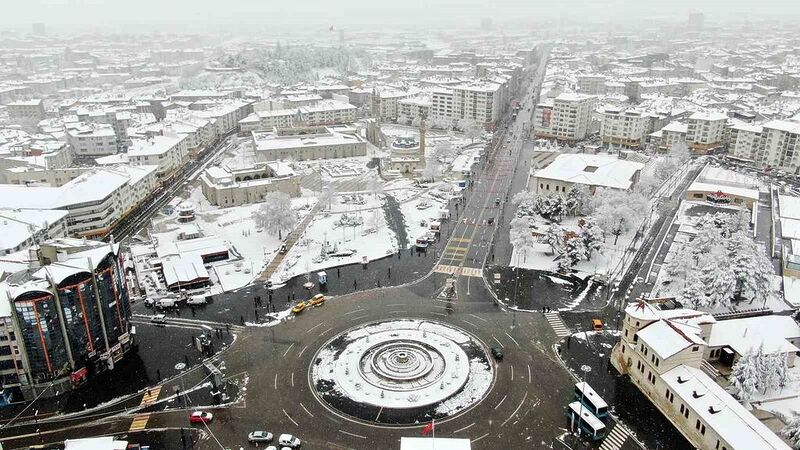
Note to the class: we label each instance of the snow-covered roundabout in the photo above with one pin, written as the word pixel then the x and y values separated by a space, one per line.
pixel 401 371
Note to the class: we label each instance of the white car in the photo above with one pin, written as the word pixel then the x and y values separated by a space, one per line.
pixel 259 436
pixel 287 440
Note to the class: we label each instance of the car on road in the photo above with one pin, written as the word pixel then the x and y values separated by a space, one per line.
pixel 317 300
pixel 287 440
pixel 197 300
pixel 259 436
pixel 497 353
pixel 490 220
pixel 159 319
pixel 201 417
pixel 497 201
pixel 298 308
pixel 597 324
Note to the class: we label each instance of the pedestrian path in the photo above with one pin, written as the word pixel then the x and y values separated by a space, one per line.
pixel 616 438
pixel 554 319
pixel 290 241
pixel 139 422
pixel 150 396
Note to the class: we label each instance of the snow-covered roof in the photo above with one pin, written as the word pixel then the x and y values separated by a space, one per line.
pixel 573 97
pixel 730 420
pixel 784 125
pixel 789 206
pixel 184 269
pixel 95 443
pixel 667 337
pixel 710 116
pixel 743 335
pixel 16 225
pixel 593 170
pixel 730 190
pixel 676 127
pixel 155 145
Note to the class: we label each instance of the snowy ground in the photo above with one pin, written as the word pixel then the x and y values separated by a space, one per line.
pixel 603 260
pixel 421 210
pixel 372 239
pixel 236 227
pixel 784 401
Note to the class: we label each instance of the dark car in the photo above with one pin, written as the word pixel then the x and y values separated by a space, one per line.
pixel 497 353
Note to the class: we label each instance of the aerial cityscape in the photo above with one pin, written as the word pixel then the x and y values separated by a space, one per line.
pixel 413 225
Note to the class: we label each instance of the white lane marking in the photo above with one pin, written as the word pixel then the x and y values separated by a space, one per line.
pixel 512 372
pixel 352 434
pixel 512 376
pixel 287 349
pixel 314 327
pixel 495 339
pixel 351 312
pixel 501 402
pixel 466 427
pixel 515 341
pixel 395 304
pixel 529 374
pixel 306 409
pixel 358 318
pixel 290 418
pixel 524 397
pixel 329 329
pixel 276 382
pixel 439 314
pixel 467 321
pixel 302 351
pixel 478 317
pixel 478 438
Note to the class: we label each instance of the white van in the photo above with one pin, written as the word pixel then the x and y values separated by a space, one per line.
pixel 196 300
pixel 166 302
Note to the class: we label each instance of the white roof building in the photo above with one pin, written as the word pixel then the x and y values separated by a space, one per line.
pixel 603 171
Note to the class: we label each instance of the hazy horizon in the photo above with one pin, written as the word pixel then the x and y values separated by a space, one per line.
pixel 104 15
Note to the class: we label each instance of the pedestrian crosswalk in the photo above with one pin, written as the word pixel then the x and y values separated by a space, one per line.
pixel 139 422
pixel 150 396
pixel 616 438
pixel 458 270
pixel 554 319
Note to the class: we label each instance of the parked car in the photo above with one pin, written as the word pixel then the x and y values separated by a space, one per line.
pixel 298 308
pixel 597 324
pixel 197 300
pixel 159 319
pixel 497 353
pixel 259 436
pixel 317 300
pixel 201 417
pixel 166 302
pixel 287 440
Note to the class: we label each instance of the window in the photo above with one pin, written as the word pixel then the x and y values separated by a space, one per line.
pixel 695 348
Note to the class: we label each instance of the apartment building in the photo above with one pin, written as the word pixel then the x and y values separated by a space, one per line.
pixel 26 113
pixel 668 136
pixel 674 357
pixel 414 108
pixel 478 101
pixel 625 128
pixel 745 141
pixel 325 112
pixel 566 118
pixel 165 152
pixel 90 140
pixel 781 144
pixel 386 103
pixel 592 84
pixel 95 200
pixel 442 108
pixel 22 228
pixel 705 130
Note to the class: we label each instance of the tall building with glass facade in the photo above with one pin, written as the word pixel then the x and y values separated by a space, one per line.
pixel 70 315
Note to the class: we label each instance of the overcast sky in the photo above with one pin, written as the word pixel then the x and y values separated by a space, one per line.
pixel 101 13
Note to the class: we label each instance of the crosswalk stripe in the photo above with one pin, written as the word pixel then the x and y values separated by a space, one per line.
pixel 150 399
pixel 139 422
pixel 616 438
pixel 558 326
pixel 458 239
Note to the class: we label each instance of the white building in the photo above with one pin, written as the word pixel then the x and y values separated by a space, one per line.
pixel 594 171
pixel 165 152
pixel 782 144
pixel 746 141
pixel 670 135
pixel 26 113
pixel 478 101
pixel 325 112
pixel 233 187
pixel 674 356
pixel 592 84
pixel 414 109
pixel 94 201
pixel 704 131
pixel 22 228
pixel 306 143
pixel 626 128
pixel 92 140
pixel 567 118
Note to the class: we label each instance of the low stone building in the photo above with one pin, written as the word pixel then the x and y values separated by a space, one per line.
pixel 223 186
pixel 307 143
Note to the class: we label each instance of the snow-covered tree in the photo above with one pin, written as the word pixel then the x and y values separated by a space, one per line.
pixel 747 373
pixel 525 201
pixel 792 430
pixel 592 236
pixel 751 266
pixel 470 128
pixel 521 237
pixel 554 237
pixel 680 152
pixel 444 151
pixel 618 211
pixel 579 200
pixel 550 206
pixel 276 214
pixel 416 121
pixel 574 252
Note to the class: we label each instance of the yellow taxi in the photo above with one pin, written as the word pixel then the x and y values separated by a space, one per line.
pixel 597 324
pixel 298 308
pixel 317 300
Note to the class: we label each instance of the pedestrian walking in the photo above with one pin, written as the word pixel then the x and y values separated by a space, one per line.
pixel 355 284
pixel 241 319
pixel 338 275
pixel 390 272
pixel 228 328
